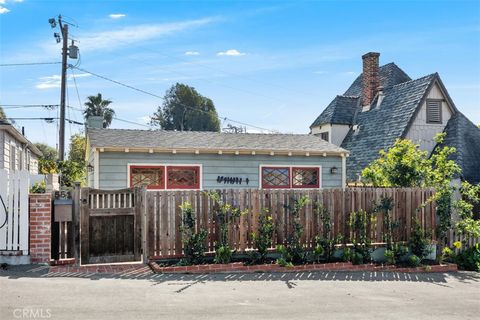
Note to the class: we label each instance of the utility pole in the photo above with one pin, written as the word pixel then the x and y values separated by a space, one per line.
pixel 67 52
pixel 61 134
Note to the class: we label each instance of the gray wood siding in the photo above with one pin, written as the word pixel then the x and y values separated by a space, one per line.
pixel 113 167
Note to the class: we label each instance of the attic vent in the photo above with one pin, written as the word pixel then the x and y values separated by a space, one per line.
pixel 434 111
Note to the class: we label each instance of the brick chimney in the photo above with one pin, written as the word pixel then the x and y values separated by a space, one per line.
pixel 371 77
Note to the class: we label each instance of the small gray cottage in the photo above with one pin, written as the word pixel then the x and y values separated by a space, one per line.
pixel 172 160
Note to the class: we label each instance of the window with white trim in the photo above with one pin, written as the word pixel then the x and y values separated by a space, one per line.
pixel 305 177
pixel 160 177
pixel 184 177
pixel 290 177
pixel 152 177
pixel 275 177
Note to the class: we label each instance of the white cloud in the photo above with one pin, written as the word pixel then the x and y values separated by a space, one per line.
pixel 3 10
pixel 108 40
pixel 192 53
pixel 117 15
pixel 230 52
pixel 54 81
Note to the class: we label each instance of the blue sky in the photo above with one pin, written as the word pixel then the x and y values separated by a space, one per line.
pixel 271 64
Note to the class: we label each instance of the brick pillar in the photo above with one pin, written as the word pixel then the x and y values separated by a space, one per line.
pixel 370 77
pixel 40 209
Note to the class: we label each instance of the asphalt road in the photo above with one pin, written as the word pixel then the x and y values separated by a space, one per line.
pixel 328 295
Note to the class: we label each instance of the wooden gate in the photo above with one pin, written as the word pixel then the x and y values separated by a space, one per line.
pixel 110 225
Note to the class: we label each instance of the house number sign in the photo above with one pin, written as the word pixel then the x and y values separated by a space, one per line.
pixel 232 180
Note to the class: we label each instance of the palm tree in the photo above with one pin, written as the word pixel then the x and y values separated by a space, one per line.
pixel 96 106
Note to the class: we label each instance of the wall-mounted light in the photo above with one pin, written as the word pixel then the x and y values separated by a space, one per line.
pixel 333 170
pixel 90 168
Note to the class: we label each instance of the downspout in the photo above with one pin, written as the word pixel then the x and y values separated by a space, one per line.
pixel 344 171
pixel 96 168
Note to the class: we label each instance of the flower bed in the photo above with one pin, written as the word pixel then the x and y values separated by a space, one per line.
pixel 239 267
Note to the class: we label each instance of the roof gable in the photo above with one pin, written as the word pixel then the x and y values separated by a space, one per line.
pixel 379 127
pixel 340 111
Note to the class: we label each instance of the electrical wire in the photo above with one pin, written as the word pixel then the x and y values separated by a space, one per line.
pixel 160 97
pixel 26 64
pixel 6 212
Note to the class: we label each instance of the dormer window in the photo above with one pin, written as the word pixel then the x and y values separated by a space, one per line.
pixel 324 136
pixel 434 111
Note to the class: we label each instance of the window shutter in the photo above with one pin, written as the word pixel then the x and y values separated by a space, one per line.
pixel 434 111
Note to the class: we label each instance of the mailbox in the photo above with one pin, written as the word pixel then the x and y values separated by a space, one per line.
pixel 63 210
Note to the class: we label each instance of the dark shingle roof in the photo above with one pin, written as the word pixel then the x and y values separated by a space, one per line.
pixel 465 137
pixel 390 75
pixel 163 139
pixel 379 127
pixel 340 111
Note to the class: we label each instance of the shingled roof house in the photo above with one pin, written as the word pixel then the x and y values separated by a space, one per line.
pixel 383 104
pixel 209 160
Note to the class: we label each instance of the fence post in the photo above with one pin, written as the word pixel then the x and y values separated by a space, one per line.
pixel 84 225
pixel 76 222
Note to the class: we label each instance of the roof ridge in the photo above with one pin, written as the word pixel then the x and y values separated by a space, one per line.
pixel 413 80
pixel 202 132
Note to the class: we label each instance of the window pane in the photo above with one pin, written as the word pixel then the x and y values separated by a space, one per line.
pixel 275 177
pixel 324 136
pixel 183 178
pixel 305 178
pixel 150 177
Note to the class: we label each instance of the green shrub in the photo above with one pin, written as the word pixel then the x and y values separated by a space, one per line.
pixel 346 254
pixel 193 243
pixel 262 239
pixel 326 240
pixel 359 223
pixel 469 259
pixel 293 250
pixel 419 240
pixel 414 260
pixel 390 256
pixel 224 214
pixel 357 258
pixel 38 187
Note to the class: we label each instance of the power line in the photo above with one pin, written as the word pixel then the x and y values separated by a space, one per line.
pixel 26 106
pixel 26 64
pixel 117 82
pixel 160 97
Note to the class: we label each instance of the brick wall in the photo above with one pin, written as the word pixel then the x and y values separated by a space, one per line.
pixel 40 227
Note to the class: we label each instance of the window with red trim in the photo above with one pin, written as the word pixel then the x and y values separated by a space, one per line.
pixel 275 177
pixel 305 177
pixel 185 177
pixel 152 177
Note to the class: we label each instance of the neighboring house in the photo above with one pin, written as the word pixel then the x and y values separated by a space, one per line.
pixel 384 104
pixel 208 160
pixel 16 151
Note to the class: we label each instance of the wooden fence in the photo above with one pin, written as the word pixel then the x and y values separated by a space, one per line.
pixel 163 215
pixel 14 187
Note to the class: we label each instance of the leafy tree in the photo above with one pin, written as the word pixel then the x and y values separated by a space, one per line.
pixel 403 165
pixel 71 170
pixel 78 145
pixel 2 114
pixel 185 109
pixel 47 163
pixel 97 106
